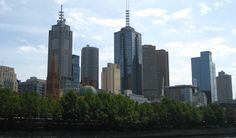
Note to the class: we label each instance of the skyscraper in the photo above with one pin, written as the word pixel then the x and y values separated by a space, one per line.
pixel 89 66
pixel 111 78
pixel 155 72
pixel 8 78
pixel 60 46
pixel 224 88
pixel 204 76
pixel 53 89
pixel 75 71
pixel 128 54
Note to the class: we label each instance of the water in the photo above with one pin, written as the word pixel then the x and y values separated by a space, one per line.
pixel 94 134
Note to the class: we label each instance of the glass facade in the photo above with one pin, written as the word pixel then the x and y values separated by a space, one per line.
pixel 75 71
pixel 128 54
pixel 203 75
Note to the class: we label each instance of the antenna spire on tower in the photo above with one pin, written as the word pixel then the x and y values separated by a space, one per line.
pixel 61 15
pixel 127 13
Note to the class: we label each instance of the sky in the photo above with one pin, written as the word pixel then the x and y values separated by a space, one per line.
pixel 182 27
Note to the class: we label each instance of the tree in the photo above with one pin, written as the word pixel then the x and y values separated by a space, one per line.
pixel 30 105
pixel 69 103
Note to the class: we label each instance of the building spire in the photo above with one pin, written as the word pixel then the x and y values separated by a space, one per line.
pixel 61 16
pixel 127 13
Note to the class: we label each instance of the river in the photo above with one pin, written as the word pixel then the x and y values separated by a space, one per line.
pixel 103 134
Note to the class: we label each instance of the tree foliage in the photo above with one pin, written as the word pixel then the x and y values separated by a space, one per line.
pixel 107 110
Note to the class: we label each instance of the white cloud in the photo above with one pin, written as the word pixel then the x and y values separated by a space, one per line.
pixel 76 17
pixel 4 7
pixel 218 5
pixel 97 37
pixel 234 64
pixel 234 31
pixel 160 22
pixel 228 1
pixel 173 30
pixel 217 45
pixel 23 28
pixel 150 12
pixel 116 23
pixel 33 49
pixel 182 14
pixel 178 78
pixel 161 16
pixel 204 9
pixel 212 28
pixel 60 1
pixel 196 29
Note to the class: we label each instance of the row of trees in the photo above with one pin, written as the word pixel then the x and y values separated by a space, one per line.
pixel 105 109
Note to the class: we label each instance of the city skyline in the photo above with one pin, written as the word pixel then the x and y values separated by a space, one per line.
pixel 183 30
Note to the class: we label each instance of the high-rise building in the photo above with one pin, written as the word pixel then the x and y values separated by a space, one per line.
pixel 33 85
pixel 8 78
pixel 53 89
pixel 155 72
pixel 128 54
pixel 204 76
pixel 75 71
pixel 224 87
pixel 89 66
pixel 60 46
pixel 111 78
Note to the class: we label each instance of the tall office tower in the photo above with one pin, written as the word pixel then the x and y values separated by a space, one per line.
pixel 33 85
pixel 128 54
pixel 224 87
pixel 111 78
pixel 53 89
pixel 8 78
pixel 75 71
pixel 60 45
pixel 155 72
pixel 89 66
pixel 204 76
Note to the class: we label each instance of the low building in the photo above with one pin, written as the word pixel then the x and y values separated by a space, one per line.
pixel 8 78
pixel 33 85
pixel 186 93
pixel 135 97
pixel 199 98
pixel 87 89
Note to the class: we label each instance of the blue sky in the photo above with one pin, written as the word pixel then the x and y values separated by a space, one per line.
pixel 182 27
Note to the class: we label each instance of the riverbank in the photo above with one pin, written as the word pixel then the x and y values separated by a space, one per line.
pixel 207 132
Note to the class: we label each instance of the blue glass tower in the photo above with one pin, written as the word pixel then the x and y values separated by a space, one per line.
pixel 75 71
pixel 204 75
pixel 128 54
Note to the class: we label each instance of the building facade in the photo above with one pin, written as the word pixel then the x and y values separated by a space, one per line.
pixel 8 78
pixel 128 55
pixel 75 71
pixel 155 72
pixel 186 93
pixel 60 52
pixel 111 78
pixel 224 88
pixel 33 85
pixel 204 76
pixel 90 66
